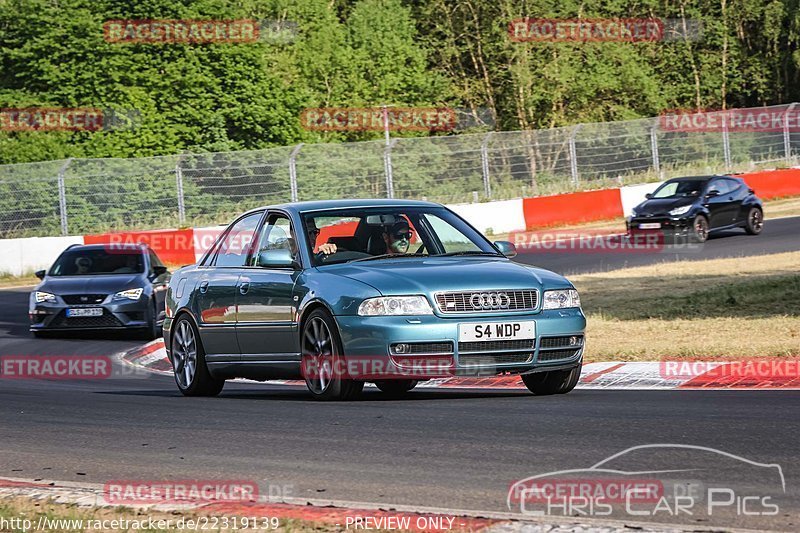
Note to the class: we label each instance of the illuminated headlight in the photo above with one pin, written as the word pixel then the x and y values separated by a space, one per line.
pixel 561 299
pixel 680 210
pixel 395 305
pixel 45 297
pixel 130 294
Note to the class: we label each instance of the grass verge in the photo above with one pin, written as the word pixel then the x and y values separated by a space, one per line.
pixel 724 308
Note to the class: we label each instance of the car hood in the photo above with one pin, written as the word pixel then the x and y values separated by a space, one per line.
pixel 433 274
pixel 661 206
pixel 91 284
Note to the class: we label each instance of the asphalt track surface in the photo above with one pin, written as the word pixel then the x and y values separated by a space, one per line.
pixel 779 235
pixel 442 448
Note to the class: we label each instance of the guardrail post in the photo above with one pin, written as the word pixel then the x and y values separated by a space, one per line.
pixel 787 140
pixel 62 197
pixel 487 187
pixel 179 185
pixel 726 141
pixel 293 171
pixel 654 148
pixel 387 167
pixel 573 154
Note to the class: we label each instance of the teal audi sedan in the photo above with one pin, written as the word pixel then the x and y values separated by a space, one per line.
pixel 347 292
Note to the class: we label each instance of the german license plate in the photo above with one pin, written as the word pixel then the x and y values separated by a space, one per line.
pixel 496 331
pixel 650 225
pixel 84 311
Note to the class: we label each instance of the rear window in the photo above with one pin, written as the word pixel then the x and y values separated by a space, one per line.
pixel 98 261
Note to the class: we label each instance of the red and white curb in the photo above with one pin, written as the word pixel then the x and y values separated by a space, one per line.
pixel 649 375
pixel 337 514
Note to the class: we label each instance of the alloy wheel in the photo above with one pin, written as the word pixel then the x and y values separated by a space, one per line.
pixel 184 354
pixel 318 357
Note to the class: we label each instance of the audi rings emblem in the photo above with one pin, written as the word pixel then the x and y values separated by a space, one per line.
pixel 490 300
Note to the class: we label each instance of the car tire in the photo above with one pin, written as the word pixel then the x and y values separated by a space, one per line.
pixel 152 331
pixel 699 229
pixel 755 221
pixel 396 387
pixel 189 362
pixel 553 382
pixel 323 363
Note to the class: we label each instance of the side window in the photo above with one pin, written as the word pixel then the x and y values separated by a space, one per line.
pixel 233 249
pixel 451 238
pixel 276 235
pixel 733 185
pixel 154 260
pixel 721 186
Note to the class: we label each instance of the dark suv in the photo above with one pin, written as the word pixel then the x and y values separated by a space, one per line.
pixel 101 287
pixel 696 206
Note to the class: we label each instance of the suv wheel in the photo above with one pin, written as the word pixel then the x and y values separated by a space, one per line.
pixel 700 228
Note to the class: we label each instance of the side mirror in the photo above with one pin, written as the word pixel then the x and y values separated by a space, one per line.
pixel 712 193
pixel 648 195
pixel 159 270
pixel 506 248
pixel 40 273
pixel 281 258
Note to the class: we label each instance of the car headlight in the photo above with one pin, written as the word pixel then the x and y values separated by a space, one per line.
pixel 395 305
pixel 562 299
pixel 45 297
pixel 680 210
pixel 130 294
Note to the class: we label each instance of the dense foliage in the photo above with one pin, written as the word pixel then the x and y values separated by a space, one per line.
pixel 218 97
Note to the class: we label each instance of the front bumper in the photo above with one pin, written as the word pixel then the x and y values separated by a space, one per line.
pixel 122 314
pixel 370 339
pixel 667 225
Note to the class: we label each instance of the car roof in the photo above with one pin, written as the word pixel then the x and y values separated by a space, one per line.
pixel 318 205
pixel 134 247
pixel 700 178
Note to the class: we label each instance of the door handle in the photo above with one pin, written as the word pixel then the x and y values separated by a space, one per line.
pixel 204 286
pixel 244 287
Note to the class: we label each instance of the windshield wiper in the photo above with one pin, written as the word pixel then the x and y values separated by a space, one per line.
pixel 384 256
pixel 470 252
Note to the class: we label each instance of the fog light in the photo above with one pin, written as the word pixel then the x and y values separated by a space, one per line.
pixel 401 348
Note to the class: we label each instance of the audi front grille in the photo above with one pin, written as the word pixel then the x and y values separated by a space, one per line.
pixel 492 301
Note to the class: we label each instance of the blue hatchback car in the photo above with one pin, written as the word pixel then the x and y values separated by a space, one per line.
pixel 392 292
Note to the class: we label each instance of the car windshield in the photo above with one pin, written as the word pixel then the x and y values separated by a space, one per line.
pixel 673 189
pixel 89 262
pixel 365 234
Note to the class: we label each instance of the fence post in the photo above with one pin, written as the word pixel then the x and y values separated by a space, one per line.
pixel 787 140
pixel 62 197
pixel 293 171
pixel 654 148
pixel 487 187
pixel 179 184
pixel 726 141
pixel 387 167
pixel 573 154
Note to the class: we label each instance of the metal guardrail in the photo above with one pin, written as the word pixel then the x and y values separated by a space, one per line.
pixel 78 196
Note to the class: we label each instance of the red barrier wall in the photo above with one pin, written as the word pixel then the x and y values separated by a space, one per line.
pixel 572 208
pixel 774 183
pixel 174 247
